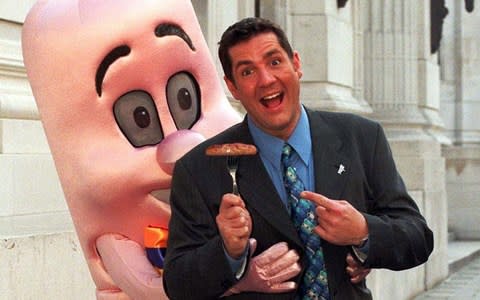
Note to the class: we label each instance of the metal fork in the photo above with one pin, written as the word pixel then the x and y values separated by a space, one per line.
pixel 232 165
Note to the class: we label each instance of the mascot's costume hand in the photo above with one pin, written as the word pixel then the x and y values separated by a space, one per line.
pixel 124 88
pixel 270 271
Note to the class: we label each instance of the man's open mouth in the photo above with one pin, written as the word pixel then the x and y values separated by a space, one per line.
pixel 272 100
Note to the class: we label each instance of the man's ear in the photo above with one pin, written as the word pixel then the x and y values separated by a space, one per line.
pixel 297 64
pixel 231 87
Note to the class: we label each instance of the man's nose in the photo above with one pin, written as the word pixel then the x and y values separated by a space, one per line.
pixel 174 146
pixel 265 77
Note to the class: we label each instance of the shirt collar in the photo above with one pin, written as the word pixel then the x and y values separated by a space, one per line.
pixel 270 147
pixel 300 139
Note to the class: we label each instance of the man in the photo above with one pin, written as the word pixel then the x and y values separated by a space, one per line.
pixel 349 198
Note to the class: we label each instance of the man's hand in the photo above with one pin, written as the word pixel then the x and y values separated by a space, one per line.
pixel 338 221
pixel 269 271
pixel 355 270
pixel 235 224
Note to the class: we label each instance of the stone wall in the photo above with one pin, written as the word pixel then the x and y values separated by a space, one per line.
pixel 460 108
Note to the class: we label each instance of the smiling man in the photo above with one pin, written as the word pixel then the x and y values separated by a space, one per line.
pixel 325 183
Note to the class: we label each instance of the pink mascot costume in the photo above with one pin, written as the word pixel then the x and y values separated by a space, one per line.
pixel 124 88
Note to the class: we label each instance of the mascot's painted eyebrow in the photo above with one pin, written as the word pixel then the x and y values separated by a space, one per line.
pixel 164 29
pixel 109 59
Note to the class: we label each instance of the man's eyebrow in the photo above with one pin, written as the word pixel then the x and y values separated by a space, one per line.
pixel 165 29
pixel 109 59
pixel 271 53
pixel 241 63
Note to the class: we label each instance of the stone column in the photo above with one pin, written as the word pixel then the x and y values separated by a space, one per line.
pixel 401 86
pixel 326 37
pixel 460 102
pixel 357 6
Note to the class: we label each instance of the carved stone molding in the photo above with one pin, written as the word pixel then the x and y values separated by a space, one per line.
pixel 16 101
pixel 11 62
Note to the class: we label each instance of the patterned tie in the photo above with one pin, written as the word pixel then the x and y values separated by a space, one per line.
pixel 314 284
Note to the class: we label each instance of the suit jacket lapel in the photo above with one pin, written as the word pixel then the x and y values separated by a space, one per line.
pixel 329 152
pixel 329 157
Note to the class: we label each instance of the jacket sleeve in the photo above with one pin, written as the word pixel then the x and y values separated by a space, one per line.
pixel 195 265
pixel 398 234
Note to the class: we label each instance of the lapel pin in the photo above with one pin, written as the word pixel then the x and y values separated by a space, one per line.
pixel 341 169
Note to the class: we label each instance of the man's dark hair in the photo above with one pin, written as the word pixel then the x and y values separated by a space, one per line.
pixel 244 30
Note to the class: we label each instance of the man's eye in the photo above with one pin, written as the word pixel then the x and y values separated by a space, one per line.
pixel 275 62
pixel 246 72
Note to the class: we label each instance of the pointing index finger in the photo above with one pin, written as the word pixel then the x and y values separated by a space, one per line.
pixel 318 199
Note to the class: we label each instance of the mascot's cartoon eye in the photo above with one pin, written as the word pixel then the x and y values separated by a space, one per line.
pixel 142 117
pixel 137 117
pixel 183 96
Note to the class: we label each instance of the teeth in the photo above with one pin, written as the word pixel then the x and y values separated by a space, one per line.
pixel 271 96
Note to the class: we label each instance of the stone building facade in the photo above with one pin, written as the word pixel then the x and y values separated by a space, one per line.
pixel 370 57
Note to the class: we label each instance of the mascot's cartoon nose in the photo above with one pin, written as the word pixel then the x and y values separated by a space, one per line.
pixel 175 146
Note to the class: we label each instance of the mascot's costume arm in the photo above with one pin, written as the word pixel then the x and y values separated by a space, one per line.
pixel 124 88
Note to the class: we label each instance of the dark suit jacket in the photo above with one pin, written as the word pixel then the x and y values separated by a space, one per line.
pixel 196 267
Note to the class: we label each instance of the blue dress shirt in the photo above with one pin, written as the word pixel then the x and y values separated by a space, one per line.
pixel 270 151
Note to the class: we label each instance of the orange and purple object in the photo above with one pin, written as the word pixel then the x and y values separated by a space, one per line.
pixel 155 239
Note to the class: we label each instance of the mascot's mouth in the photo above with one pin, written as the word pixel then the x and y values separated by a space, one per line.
pixel 162 195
